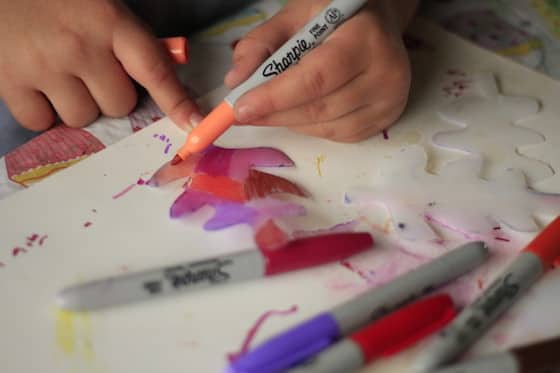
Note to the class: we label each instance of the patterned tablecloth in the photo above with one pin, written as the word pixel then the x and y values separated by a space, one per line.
pixel 525 30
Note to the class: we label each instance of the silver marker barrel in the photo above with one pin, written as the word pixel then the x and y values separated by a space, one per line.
pixel 475 319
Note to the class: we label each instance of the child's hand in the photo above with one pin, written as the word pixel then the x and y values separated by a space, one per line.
pixel 352 86
pixel 75 56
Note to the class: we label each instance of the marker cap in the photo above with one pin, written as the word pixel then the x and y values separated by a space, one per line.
pixel 547 244
pixel 313 251
pixel 291 348
pixel 212 127
pixel 178 48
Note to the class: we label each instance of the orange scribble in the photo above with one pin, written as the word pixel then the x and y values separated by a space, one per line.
pixel 219 186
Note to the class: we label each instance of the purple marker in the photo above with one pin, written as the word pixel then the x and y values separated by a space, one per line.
pixel 308 339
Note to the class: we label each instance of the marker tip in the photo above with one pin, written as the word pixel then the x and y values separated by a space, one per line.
pixel 176 160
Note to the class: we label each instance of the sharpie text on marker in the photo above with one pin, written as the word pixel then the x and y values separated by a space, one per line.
pixel 245 265
pixel 478 317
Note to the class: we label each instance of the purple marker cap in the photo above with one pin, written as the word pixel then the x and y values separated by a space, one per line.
pixel 290 348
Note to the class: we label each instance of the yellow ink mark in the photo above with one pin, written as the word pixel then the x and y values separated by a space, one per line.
pixel 74 334
pixel 65 331
pixel 318 162
pixel 387 226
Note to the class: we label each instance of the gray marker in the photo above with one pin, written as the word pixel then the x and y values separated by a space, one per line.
pixel 477 318
pixel 245 265
pixel 307 339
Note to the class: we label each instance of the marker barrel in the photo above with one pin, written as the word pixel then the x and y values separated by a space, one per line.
pixel 309 338
pixel 310 36
pixel 151 284
pixel 345 356
pixel 376 303
pixel 474 320
pixel 501 363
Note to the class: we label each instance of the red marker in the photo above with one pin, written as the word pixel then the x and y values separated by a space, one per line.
pixel 386 337
pixel 244 265
pixel 474 320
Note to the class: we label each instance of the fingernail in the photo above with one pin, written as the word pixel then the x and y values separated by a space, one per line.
pixel 195 120
pixel 231 74
pixel 245 113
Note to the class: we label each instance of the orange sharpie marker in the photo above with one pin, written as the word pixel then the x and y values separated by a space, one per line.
pixel 310 36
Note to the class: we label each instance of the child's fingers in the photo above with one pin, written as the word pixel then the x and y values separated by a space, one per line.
pixel 71 100
pixel 321 72
pixel 109 85
pixel 258 45
pixel 30 108
pixel 349 97
pixel 357 125
pixel 145 60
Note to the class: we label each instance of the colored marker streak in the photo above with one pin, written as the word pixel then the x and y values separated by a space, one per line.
pixel 251 334
pixel 260 184
pixel 73 334
pixel 224 180
pixel 270 236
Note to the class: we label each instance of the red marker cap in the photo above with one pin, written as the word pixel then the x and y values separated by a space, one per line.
pixel 547 244
pixel 405 327
pixel 178 48
pixel 313 251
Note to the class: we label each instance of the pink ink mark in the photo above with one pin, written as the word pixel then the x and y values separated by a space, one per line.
pixel 87 224
pixel 233 356
pixel 124 191
pixel 31 239
pixel 18 250
pixel 356 270
pixel 502 239
pixel 467 235
pixel 42 240
pixel 141 181
pixel 385 134
pixel 166 151
pixel 499 338
pixel 480 283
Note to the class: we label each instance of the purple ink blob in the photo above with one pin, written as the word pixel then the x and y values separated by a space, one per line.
pixel 191 201
pixel 166 151
pixel 230 214
pixel 215 162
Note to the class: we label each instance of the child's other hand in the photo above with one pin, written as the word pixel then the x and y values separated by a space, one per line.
pixel 76 56
pixel 352 86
